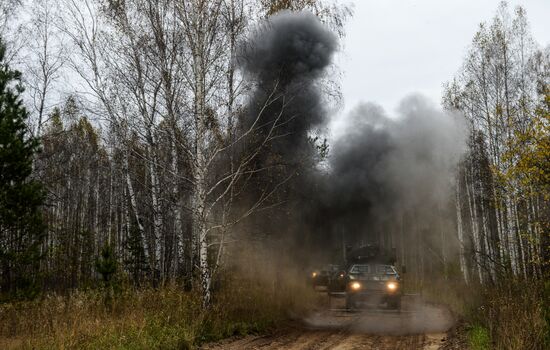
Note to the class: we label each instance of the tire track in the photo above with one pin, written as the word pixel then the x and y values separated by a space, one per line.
pixel 329 340
pixel 337 330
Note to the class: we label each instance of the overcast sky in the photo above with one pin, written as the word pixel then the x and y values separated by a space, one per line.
pixel 396 47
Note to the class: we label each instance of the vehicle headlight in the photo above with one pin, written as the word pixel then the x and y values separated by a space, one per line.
pixel 314 274
pixel 391 286
pixel 355 285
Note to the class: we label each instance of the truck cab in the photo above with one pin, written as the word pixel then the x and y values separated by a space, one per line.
pixel 373 283
pixel 370 277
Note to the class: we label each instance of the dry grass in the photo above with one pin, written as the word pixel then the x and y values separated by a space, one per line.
pixel 82 320
pixel 513 315
pixel 453 293
pixel 257 292
pixel 147 319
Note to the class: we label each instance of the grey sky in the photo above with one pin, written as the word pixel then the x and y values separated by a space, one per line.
pixel 397 47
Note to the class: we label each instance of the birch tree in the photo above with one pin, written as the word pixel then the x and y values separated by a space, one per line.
pixel 156 117
pixel 44 61
pixel 497 91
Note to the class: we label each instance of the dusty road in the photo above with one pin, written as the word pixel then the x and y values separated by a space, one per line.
pixel 418 326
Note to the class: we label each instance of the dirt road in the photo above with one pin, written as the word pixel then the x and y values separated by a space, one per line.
pixel 417 326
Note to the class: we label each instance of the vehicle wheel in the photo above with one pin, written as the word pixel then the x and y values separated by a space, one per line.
pixel 395 303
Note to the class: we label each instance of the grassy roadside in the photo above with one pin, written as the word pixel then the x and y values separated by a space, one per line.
pixel 147 319
pixel 513 315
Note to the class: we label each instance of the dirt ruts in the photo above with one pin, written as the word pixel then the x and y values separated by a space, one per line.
pixel 417 326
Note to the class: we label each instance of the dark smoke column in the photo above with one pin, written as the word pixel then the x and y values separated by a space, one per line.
pixel 396 175
pixel 284 59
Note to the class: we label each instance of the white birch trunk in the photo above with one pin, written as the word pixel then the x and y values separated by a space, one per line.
pixel 133 202
pixel 536 238
pixel 511 235
pixel 177 240
pixel 462 259
pixel 110 221
pixel 500 230
pixel 98 212
pixel 521 242
pixel 179 247
pixel 200 161
pixel 127 222
pixel 157 217
pixel 201 232
pixel 488 251
pixel 474 225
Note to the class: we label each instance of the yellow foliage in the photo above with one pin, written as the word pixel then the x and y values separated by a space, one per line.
pixel 530 151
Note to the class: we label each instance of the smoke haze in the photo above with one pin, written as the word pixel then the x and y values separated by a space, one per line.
pixel 379 169
pixel 382 167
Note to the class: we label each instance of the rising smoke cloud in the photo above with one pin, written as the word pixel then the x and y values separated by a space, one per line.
pixel 382 167
pixel 283 60
pixel 285 56
pixel 379 168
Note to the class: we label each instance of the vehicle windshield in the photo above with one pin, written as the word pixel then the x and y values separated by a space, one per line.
pixel 378 269
pixel 360 269
pixel 329 269
pixel 385 270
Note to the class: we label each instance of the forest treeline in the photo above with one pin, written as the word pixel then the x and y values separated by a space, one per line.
pixel 502 191
pixel 150 155
pixel 152 148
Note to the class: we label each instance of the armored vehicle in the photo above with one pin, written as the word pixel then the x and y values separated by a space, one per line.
pixel 374 284
pixel 321 277
pixel 369 277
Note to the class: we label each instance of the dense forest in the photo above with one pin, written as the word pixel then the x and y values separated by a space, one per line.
pixel 502 186
pixel 154 142
pixel 153 151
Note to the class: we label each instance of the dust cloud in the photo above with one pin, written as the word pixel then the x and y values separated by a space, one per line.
pixel 417 317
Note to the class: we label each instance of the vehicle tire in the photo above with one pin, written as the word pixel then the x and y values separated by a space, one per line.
pixel 395 303
pixel 350 302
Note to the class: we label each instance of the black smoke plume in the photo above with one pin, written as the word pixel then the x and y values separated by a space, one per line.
pixel 381 170
pixel 285 57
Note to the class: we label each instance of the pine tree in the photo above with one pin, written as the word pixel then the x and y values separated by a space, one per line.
pixel 106 264
pixel 21 224
pixel 136 262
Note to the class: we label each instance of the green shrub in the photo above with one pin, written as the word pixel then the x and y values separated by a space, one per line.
pixel 479 338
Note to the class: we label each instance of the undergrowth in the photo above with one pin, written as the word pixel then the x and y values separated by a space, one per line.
pixel 166 318
pixel 513 314
pixel 479 338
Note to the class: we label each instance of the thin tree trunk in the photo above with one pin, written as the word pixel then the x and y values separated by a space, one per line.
pixel 133 202
pixel 157 219
pixel 460 233
pixel 474 223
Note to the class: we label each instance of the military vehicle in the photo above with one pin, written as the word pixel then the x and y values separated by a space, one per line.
pixel 370 277
pixel 320 277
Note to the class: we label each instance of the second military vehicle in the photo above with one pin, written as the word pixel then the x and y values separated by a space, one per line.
pixel 321 277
